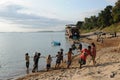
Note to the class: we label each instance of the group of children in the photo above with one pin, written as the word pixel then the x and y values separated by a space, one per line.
pixel 91 50
pixel 59 59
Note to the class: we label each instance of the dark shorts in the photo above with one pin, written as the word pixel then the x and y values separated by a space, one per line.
pixel 27 64
pixel 81 61
pixel 61 57
pixel 58 61
pixel 48 65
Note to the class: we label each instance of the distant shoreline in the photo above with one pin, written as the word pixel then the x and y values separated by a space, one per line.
pixel 33 32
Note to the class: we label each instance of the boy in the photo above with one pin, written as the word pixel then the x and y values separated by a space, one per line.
pixel 27 60
pixel 69 57
pixel 48 60
pixel 83 56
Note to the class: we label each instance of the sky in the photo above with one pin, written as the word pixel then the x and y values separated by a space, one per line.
pixel 45 15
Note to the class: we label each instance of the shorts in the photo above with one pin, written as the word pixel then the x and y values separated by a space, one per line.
pixel 81 61
pixel 58 61
pixel 48 65
pixel 61 57
pixel 27 64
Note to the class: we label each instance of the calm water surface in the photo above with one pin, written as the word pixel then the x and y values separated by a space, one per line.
pixel 13 47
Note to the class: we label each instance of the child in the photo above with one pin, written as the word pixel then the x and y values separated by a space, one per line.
pixel 93 52
pixel 27 60
pixel 80 46
pixel 36 60
pixel 48 60
pixel 69 57
pixel 58 60
pixel 73 46
pixel 61 55
pixel 83 56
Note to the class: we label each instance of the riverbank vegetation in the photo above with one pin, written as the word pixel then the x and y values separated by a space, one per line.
pixel 106 20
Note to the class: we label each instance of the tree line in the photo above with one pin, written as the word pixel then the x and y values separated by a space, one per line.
pixel 110 15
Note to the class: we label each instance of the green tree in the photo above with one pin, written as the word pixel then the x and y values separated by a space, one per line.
pixel 105 17
pixel 87 23
pixel 79 24
pixel 116 12
pixel 90 23
pixel 93 20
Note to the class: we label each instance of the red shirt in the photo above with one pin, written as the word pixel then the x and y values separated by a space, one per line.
pixel 84 54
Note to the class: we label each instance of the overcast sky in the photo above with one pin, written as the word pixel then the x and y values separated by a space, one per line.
pixel 37 15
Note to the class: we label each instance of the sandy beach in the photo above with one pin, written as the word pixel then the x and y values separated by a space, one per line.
pixel 107 64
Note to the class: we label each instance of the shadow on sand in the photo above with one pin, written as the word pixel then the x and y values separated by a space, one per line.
pixel 83 67
pixel 102 65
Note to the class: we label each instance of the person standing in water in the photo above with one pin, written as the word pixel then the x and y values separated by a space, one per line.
pixel 61 54
pixel 48 60
pixel 36 60
pixel 58 60
pixel 27 60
